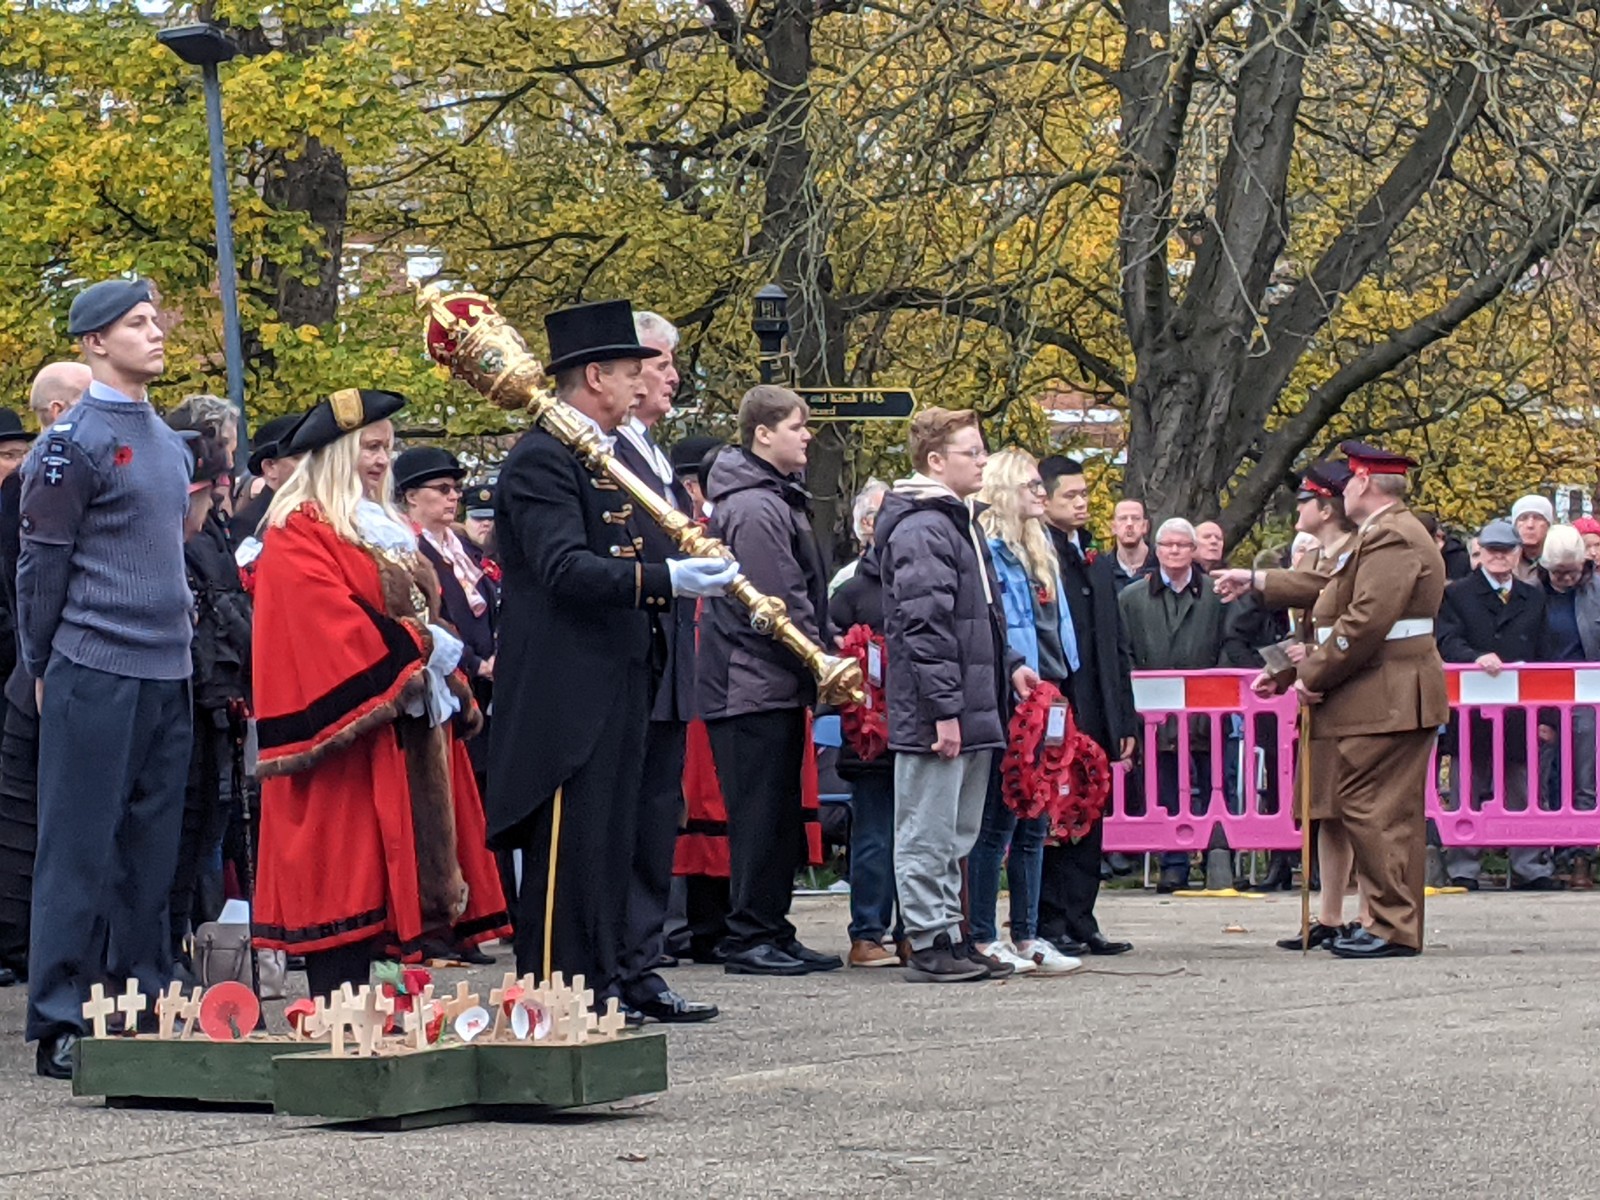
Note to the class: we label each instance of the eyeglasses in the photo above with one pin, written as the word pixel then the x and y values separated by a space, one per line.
pixel 1036 486
pixel 444 489
pixel 1170 545
pixel 980 452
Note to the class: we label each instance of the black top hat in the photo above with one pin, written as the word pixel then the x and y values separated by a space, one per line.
pixel 590 333
pixel 11 429
pixel 343 412
pixel 268 435
pixel 479 501
pixel 422 463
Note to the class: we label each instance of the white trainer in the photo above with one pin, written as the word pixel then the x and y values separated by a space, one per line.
pixel 1007 953
pixel 1047 959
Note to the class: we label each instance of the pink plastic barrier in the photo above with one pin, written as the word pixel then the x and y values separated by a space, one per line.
pixel 1522 748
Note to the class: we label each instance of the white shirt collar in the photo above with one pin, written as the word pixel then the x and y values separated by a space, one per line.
pixel 1495 583
pixel 638 433
pixel 610 439
pixel 1171 583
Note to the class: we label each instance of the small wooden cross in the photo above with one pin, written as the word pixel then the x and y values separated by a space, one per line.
pixel 455 1005
pixel 372 1016
pixel 412 1023
pixel 497 1002
pixel 317 1023
pixel 582 992
pixel 97 1008
pixel 191 1014
pixel 613 1022
pixel 169 1007
pixel 130 1004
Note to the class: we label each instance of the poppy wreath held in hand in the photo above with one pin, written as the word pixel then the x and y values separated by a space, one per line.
pixel 866 725
pixel 1069 781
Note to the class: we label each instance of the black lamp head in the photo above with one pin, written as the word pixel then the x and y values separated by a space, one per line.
pixel 200 45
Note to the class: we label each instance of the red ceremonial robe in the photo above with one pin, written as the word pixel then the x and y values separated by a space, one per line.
pixel 371 824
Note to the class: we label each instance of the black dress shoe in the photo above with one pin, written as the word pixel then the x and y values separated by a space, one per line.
pixel 1069 945
pixel 8 977
pixel 665 962
pixel 1174 879
pixel 1545 883
pixel 1461 881
pixel 707 956
pixel 1098 943
pixel 1363 943
pixel 814 960
pixel 1321 935
pixel 474 957
pixel 54 1059
pixel 673 1009
pixel 762 960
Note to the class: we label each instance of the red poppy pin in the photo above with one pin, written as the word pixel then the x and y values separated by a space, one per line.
pixel 491 569
pixel 123 456
pixel 1091 555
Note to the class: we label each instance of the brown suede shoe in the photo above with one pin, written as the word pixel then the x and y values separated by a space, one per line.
pixel 872 954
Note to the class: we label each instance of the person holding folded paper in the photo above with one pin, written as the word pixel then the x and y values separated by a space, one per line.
pixel 1375 685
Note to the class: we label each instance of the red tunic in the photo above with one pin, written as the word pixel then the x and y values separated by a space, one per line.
pixel 338 847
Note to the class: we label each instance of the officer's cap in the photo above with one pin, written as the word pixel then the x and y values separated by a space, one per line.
pixel 105 303
pixel 479 501
pixel 1499 535
pixel 1367 459
pixel 1323 481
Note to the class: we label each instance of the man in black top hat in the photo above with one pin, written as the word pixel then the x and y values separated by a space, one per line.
pixel 572 676
pixel 268 463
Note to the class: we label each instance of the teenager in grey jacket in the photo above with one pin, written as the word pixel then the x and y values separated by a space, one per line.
pixel 949 676
pixel 753 693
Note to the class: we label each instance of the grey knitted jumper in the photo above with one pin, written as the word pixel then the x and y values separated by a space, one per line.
pixel 101 579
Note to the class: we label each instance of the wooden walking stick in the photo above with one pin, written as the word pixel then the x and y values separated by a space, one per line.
pixel 1305 829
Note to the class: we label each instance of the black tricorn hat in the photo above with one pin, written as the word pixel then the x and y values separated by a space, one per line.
pixel 11 429
pixel 589 333
pixel 343 412
pixel 422 463
pixel 268 435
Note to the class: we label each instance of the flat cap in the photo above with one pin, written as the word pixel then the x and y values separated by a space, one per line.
pixel 1367 459
pixel 1499 535
pixel 101 304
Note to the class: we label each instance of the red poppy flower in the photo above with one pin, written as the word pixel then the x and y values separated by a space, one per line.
pixel 491 569
pixel 1091 556
pixel 123 456
pixel 414 979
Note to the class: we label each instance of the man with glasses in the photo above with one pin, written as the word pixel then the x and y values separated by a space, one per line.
pixel 1491 618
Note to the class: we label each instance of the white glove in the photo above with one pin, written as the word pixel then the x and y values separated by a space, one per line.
pixel 437 701
pixel 701 576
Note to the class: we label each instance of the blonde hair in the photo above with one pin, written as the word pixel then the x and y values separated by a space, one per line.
pixel 1003 480
pixel 329 477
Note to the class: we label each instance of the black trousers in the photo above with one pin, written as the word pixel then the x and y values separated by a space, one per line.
pixel 572 910
pixel 654 839
pixel 19 833
pixel 758 758
pixel 196 889
pixel 113 762
pixel 1069 885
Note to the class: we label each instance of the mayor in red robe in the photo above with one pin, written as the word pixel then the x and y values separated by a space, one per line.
pixel 372 832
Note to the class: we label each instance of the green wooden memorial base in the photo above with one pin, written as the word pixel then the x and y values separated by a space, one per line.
pixel 396 1090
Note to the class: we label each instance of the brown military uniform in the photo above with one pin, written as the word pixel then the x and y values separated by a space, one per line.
pixel 1298 589
pixel 1383 701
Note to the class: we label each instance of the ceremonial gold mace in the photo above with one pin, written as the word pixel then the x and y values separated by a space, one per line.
pixel 466 335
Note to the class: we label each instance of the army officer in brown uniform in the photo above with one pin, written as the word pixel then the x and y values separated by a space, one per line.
pixel 1376 683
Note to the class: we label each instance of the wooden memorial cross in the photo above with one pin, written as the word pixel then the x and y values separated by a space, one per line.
pixel 455 1005
pixel 613 1022
pixel 191 1014
pixel 338 1023
pixel 169 1007
pixel 97 1008
pixel 371 1017
pixel 130 1004
pixel 497 1002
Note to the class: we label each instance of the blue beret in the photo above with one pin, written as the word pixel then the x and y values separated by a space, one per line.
pixel 101 304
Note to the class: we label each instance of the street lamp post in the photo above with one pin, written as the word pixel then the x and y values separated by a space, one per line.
pixel 770 322
pixel 205 46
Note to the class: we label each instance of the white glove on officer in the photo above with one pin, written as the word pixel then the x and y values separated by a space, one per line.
pixel 437 701
pixel 701 576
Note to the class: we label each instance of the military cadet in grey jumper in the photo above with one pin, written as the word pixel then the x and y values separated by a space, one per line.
pixel 103 613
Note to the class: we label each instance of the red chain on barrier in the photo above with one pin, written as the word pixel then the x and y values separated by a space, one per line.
pixel 866 725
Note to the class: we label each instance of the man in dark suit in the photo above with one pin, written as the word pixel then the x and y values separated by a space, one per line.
pixel 572 677
pixel 661 796
pixel 1491 618
pixel 1102 701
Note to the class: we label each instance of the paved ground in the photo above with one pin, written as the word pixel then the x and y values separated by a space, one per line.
pixel 1206 1064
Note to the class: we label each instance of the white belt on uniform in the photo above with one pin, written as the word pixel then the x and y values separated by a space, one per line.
pixel 1410 627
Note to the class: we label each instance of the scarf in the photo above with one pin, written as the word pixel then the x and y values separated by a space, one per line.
pixel 467 572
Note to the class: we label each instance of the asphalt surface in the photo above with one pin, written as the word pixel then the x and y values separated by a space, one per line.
pixel 1204 1064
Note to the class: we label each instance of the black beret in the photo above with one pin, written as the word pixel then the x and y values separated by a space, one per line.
pixel 104 303
pixel 343 412
pixel 267 437
pixel 479 500
pixel 422 463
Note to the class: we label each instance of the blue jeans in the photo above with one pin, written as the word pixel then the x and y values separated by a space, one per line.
pixel 1025 839
pixel 872 894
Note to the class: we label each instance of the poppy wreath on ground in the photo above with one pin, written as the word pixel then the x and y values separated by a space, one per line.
pixel 1069 781
pixel 866 725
